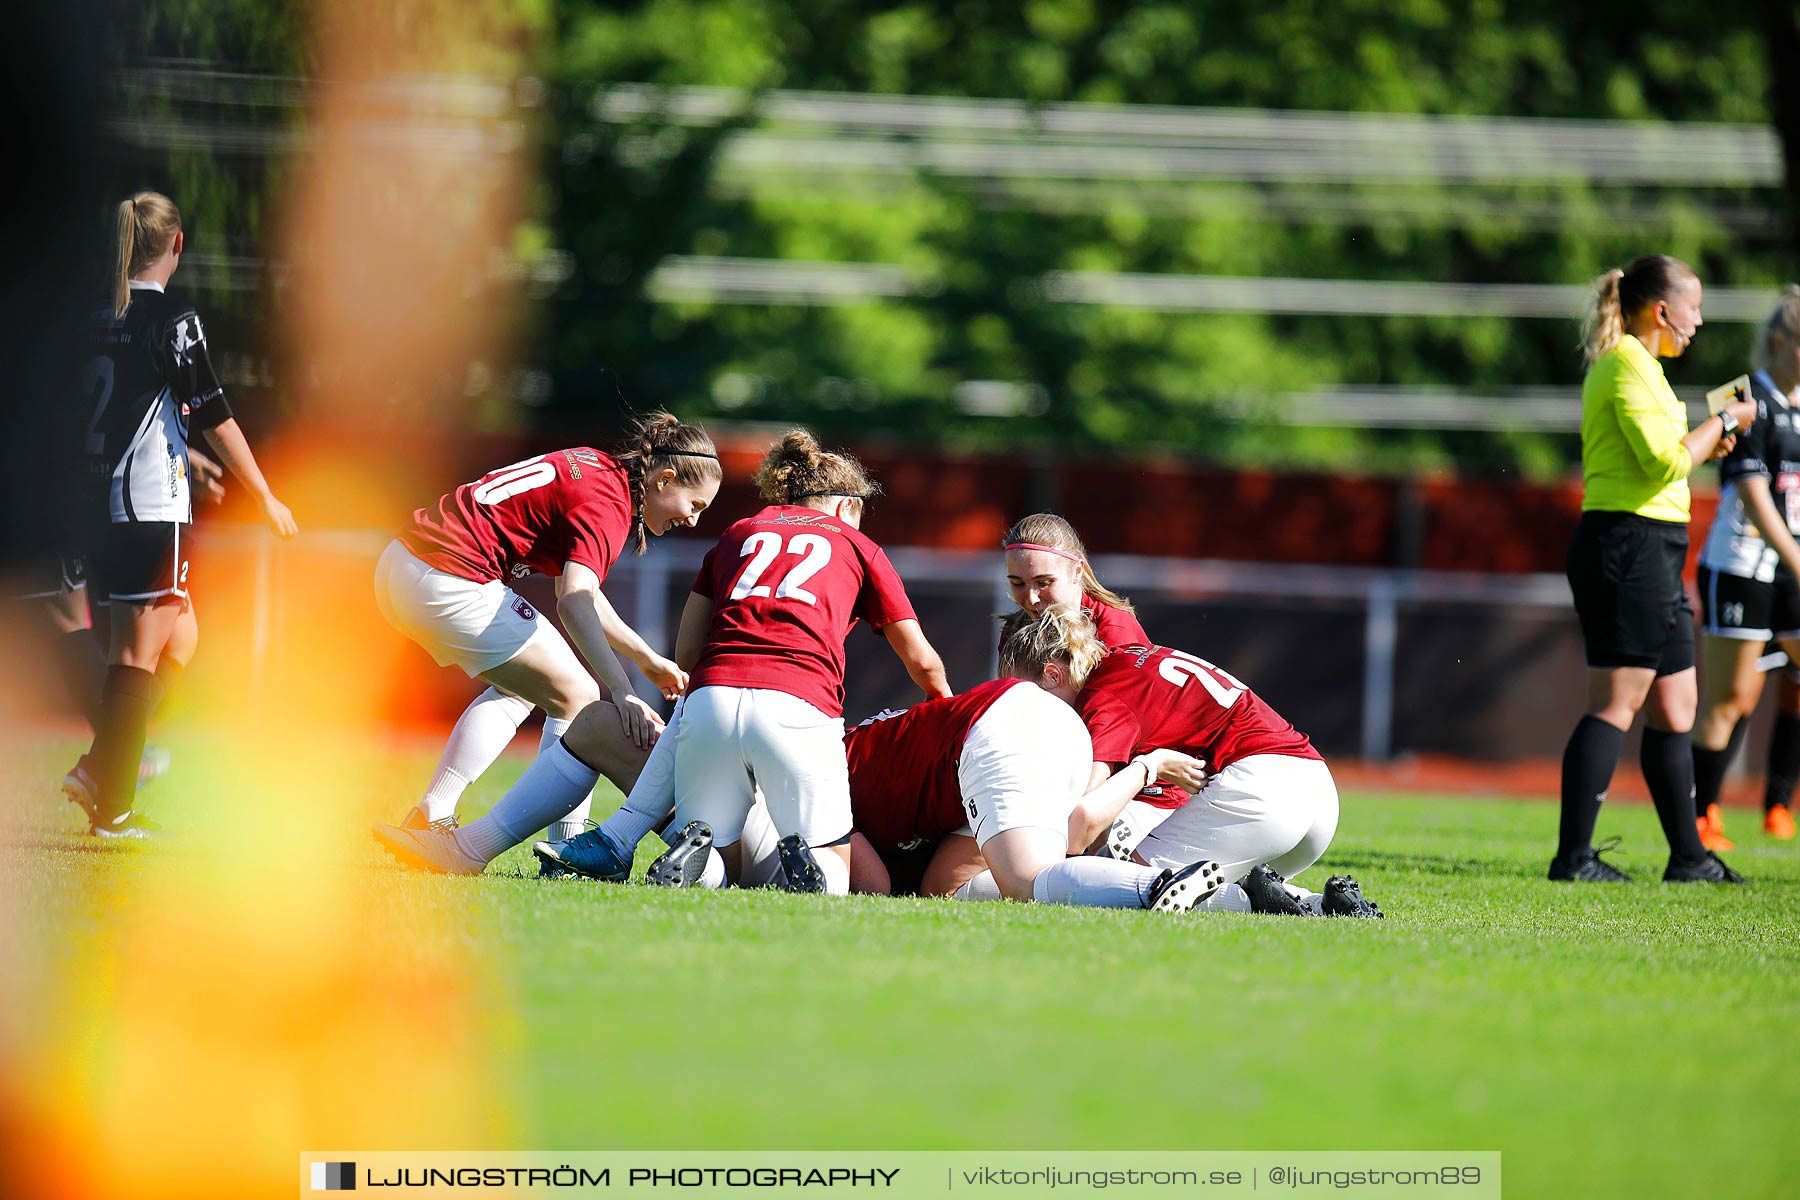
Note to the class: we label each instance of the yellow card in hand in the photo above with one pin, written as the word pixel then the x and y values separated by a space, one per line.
pixel 1719 397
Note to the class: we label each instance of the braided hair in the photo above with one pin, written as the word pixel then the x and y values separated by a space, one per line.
pixel 658 441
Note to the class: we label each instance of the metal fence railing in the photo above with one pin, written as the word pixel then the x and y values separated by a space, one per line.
pixel 1372 662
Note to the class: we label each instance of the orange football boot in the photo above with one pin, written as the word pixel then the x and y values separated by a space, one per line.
pixel 1779 822
pixel 1711 826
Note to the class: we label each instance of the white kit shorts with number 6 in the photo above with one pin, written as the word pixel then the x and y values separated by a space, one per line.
pixel 475 626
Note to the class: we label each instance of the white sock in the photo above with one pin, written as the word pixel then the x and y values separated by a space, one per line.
pixel 837 874
pixel 553 784
pixel 981 887
pixel 1094 883
pixel 483 731
pixel 652 797
pixel 1230 898
pixel 713 874
pixel 576 821
pixel 758 852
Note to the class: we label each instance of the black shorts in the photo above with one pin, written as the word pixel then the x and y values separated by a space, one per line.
pixel 52 575
pixel 142 562
pixel 1748 609
pixel 1625 571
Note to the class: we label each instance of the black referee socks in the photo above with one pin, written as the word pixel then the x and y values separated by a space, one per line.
pixel 1711 767
pixel 125 705
pixel 1587 770
pixel 1668 762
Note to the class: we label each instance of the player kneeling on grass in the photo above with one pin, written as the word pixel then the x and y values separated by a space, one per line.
pixel 764 631
pixel 1268 810
pixel 777 598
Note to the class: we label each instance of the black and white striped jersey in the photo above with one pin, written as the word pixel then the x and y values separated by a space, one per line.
pixel 147 382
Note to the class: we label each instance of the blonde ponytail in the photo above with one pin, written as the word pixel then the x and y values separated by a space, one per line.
pixel 1604 324
pixel 1621 295
pixel 147 223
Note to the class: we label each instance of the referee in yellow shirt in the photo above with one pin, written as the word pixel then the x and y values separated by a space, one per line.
pixel 1626 560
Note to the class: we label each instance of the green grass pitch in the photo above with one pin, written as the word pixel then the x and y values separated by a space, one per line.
pixel 1630 1041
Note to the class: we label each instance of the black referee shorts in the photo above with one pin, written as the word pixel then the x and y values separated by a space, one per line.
pixel 1625 571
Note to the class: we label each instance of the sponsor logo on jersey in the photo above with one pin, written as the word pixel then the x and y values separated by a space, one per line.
pixel 577 457
pixel 188 335
pixel 524 609
pixel 520 570
pixel 818 521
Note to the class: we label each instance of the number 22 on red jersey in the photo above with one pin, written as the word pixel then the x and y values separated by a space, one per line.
pixel 761 549
pixel 1180 667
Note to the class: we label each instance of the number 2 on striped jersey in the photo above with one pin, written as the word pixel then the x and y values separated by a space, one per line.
pixel 1181 666
pixel 762 549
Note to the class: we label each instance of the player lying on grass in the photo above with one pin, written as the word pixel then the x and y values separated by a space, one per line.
pixel 763 633
pixel 1046 563
pixel 989 779
pixel 568 514
pixel 1270 800
pixel 999 767
pixel 998 770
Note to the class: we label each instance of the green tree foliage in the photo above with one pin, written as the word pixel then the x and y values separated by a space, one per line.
pixel 622 196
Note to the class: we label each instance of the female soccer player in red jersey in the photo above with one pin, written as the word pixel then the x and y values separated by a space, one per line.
pixel 568 514
pixel 1270 799
pixel 1047 564
pixel 774 602
pixel 990 778
pixel 764 634
pixel 149 382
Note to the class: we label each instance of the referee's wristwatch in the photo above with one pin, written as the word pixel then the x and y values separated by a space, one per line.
pixel 1728 422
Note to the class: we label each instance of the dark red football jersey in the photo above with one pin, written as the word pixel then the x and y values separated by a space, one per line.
pixel 1117 629
pixel 787 586
pixel 903 786
pixel 1115 626
pixel 568 506
pixel 1143 698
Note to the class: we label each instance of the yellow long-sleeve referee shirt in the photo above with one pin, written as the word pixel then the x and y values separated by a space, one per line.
pixel 1632 459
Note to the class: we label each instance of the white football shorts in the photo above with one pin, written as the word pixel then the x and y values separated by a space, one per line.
pixel 1024 765
pixel 1268 808
pixel 461 623
pixel 734 742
